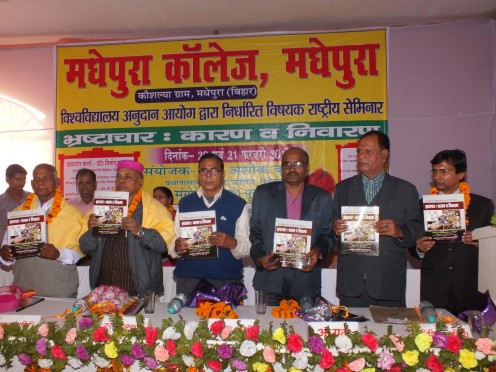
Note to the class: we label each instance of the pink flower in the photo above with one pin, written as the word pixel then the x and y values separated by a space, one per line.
pixel 226 332
pixel 371 342
pixel 357 365
pixel 217 327
pixel 295 344
pixel 161 354
pixel 197 349
pixel 214 365
pixel 269 354
pixel 485 346
pixel 71 336
pixel 171 347
pixel 398 344
pixel 57 352
pixel 1 332
pixel 252 333
pixel 454 343
pixel 43 330
pixel 326 360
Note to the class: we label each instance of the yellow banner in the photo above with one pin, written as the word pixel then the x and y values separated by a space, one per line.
pixel 246 99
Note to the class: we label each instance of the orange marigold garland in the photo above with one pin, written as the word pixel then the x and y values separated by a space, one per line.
pixel 56 205
pixel 465 189
pixel 286 309
pixel 216 310
pixel 134 203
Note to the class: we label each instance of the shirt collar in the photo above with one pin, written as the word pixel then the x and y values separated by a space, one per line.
pixel 375 180
pixel 217 196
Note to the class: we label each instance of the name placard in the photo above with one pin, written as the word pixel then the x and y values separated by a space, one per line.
pixel 129 322
pixel 28 320
pixel 430 328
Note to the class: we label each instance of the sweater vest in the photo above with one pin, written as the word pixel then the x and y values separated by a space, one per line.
pixel 227 208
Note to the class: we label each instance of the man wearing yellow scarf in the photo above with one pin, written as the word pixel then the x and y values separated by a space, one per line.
pixel 450 270
pixel 53 272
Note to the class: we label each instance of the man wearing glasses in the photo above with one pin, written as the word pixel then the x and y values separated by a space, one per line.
pixel 231 235
pixel 291 199
pixel 450 270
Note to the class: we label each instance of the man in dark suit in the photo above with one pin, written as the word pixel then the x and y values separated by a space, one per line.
pixel 377 280
pixel 450 270
pixel 295 200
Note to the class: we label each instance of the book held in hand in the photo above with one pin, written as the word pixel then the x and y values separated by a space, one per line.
pixel 444 217
pixel 110 207
pixel 27 232
pixel 292 240
pixel 361 237
pixel 197 227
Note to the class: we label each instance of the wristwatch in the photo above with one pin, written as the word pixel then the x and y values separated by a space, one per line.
pixel 140 233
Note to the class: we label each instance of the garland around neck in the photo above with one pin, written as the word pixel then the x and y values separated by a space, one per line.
pixel 465 189
pixel 56 205
pixel 134 203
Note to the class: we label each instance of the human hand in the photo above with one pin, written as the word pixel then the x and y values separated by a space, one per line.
pixel 467 239
pixel 222 240
pixel 181 246
pixel 339 227
pixel 388 228
pixel 6 253
pixel 131 225
pixel 269 262
pixel 92 221
pixel 49 251
pixel 313 257
pixel 425 244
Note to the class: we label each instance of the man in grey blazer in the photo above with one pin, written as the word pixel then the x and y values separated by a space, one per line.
pixel 292 199
pixel 377 280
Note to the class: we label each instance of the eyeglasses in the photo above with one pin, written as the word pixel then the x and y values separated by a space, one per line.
pixel 296 164
pixel 442 172
pixel 212 171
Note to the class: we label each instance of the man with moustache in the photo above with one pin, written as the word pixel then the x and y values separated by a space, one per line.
pixel 232 224
pixel 450 271
pixel 292 199
pixel 53 272
pixel 86 186
pixel 132 263
pixel 377 280
pixel 15 176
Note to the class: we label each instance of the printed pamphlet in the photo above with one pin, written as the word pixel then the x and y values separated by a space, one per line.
pixel 197 227
pixel 27 232
pixel 292 240
pixel 110 207
pixel 444 217
pixel 360 238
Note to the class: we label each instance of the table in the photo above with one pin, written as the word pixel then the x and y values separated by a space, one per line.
pixel 328 284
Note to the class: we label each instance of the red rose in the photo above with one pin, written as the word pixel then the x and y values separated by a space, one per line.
pixel 150 336
pixel 57 352
pixel 214 365
pixel 434 364
pixel 100 334
pixel 395 368
pixel 252 333
pixel 326 360
pixel 454 343
pixel 295 344
pixel 217 327
pixel 170 345
pixel 371 342
pixel 197 349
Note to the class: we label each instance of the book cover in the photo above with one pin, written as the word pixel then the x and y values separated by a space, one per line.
pixel 444 217
pixel 360 238
pixel 110 207
pixel 27 232
pixel 292 239
pixel 197 227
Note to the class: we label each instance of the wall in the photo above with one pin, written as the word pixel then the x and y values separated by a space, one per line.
pixel 441 95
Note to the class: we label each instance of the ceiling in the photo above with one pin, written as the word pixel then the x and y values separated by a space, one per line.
pixel 25 22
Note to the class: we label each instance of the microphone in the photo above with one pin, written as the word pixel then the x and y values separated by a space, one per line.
pixel 428 312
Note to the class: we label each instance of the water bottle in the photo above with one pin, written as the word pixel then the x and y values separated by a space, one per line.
pixel 80 306
pixel 428 312
pixel 306 303
pixel 177 303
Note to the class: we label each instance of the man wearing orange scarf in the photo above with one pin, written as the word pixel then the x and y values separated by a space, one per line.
pixel 53 273
pixel 450 270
